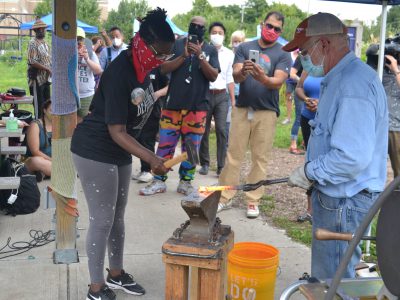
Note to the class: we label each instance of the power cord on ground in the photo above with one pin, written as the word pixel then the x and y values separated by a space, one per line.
pixel 39 239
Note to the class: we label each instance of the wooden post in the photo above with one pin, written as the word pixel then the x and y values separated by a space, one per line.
pixel 64 24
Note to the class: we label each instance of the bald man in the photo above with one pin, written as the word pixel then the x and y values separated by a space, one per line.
pixel 193 67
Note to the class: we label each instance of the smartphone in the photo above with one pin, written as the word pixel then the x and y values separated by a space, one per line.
pixel 254 56
pixel 193 38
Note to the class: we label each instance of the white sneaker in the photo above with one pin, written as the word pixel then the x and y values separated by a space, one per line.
pixel 185 187
pixel 156 186
pixel 145 177
pixel 252 211
pixel 286 121
pixel 135 175
pixel 223 206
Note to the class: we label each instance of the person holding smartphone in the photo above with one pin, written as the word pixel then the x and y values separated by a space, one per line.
pixel 261 67
pixel 88 67
pixel 194 65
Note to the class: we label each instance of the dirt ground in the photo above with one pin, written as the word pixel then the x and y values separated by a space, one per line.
pixel 288 202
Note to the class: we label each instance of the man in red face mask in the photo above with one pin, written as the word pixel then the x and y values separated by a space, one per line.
pixel 261 67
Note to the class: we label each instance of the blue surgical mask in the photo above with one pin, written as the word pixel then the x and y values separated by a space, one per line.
pixel 310 68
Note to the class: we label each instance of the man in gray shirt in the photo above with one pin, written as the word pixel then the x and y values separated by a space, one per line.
pixel 257 109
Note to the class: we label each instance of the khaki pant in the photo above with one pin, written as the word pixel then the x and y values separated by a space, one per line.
pixel 257 133
pixel 394 151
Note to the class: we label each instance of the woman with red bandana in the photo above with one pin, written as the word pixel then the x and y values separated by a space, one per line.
pixel 102 151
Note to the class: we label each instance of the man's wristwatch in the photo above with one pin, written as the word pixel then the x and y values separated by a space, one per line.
pixel 201 56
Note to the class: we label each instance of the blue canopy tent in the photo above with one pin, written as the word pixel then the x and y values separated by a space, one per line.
pixel 384 4
pixel 175 28
pixel 49 21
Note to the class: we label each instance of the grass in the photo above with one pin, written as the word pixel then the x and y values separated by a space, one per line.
pixel 14 75
pixel 299 232
pixel 14 72
pixel 302 232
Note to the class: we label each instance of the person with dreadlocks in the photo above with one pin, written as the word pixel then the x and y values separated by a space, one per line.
pixel 38 142
pixel 102 151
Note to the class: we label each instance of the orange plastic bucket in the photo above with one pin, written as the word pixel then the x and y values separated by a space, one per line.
pixel 252 266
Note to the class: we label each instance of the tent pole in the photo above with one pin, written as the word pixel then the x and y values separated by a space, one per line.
pixel 382 39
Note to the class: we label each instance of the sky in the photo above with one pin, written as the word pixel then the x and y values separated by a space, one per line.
pixel 350 11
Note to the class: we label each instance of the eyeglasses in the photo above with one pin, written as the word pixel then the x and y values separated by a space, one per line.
pixel 161 56
pixel 196 26
pixel 303 52
pixel 276 29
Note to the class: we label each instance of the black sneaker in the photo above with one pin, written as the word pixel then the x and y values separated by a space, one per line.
pixel 125 282
pixel 104 294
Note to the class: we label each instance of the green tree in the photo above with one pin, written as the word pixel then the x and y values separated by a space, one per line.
pixel 43 8
pixel 255 11
pixel 88 11
pixel 393 20
pixel 124 16
pixel 201 8
pixel 293 16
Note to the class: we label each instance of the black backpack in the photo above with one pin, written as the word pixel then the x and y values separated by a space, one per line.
pixel 28 194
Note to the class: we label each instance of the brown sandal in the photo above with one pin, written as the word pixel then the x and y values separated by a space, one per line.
pixel 296 151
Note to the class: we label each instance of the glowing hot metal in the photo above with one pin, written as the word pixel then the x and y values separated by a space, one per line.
pixel 210 189
pixel 244 187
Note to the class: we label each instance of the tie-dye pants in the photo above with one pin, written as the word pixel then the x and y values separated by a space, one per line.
pixel 180 123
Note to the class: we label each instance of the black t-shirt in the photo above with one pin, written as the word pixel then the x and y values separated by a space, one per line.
pixel 252 93
pixel 188 86
pixel 115 102
pixel 158 81
pixel 298 66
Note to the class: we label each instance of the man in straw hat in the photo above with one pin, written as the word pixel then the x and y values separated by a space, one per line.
pixel 347 151
pixel 39 66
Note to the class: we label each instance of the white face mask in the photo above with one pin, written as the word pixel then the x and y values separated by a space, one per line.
pixel 235 44
pixel 217 39
pixel 117 42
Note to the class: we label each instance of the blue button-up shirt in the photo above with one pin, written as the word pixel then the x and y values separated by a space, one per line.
pixel 103 58
pixel 347 151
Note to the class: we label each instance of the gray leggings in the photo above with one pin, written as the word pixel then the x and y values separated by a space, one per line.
pixel 106 189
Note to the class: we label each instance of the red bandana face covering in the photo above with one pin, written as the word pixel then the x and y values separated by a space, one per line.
pixel 143 58
pixel 269 35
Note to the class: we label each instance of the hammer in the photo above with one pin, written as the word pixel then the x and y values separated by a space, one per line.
pixel 190 155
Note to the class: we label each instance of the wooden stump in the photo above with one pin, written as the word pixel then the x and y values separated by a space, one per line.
pixel 207 264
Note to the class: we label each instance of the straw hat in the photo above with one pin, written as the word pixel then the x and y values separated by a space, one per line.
pixel 39 24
